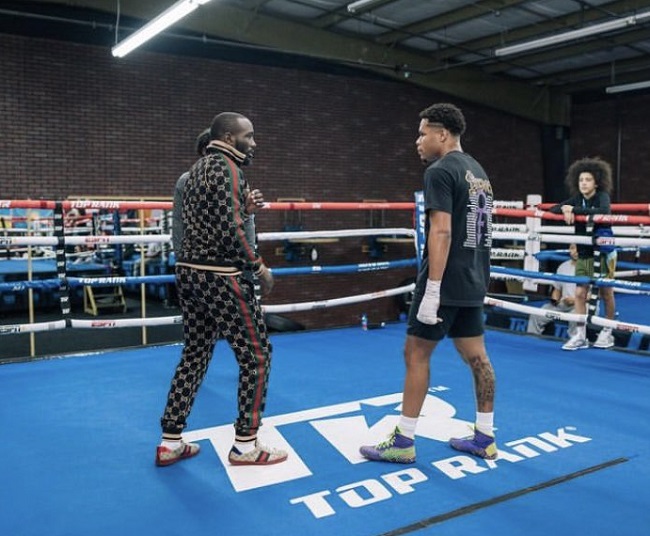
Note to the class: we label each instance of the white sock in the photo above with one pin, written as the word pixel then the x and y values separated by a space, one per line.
pixel 245 445
pixel 407 426
pixel 485 423
pixel 171 441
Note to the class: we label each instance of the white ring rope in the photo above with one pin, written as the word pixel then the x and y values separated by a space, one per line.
pixel 127 322
pixel 507 254
pixel 640 231
pixel 32 328
pixel 305 235
pixel 545 277
pixel 531 234
pixel 310 306
pixel 508 204
pixel 83 240
pixel 167 320
pixel 572 239
pixel 569 317
pixel 509 228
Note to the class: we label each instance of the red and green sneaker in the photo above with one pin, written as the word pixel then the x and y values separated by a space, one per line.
pixel 167 456
pixel 260 455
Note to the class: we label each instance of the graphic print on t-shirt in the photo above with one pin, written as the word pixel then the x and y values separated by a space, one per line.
pixel 479 214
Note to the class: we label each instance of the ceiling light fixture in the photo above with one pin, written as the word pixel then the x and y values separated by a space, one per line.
pixel 163 21
pixel 359 4
pixel 594 29
pixel 628 87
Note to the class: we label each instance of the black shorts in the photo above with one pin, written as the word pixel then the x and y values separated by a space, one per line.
pixel 456 322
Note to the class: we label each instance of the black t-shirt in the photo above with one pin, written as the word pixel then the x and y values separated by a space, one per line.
pixel 599 203
pixel 458 185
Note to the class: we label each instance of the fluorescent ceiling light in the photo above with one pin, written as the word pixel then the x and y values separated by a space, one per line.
pixel 359 4
pixel 163 21
pixel 594 29
pixel 628 87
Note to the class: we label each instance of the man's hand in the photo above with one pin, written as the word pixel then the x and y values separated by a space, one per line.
pixel 428 310
pixel 254 200
pixel 569 216
pixel 266 280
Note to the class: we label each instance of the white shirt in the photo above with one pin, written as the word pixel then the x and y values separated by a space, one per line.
pixel 566 289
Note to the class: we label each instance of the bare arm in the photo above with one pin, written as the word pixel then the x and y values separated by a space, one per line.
pixel 438 243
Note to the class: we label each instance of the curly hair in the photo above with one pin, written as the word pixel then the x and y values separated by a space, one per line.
pixel 448 115
pixel 599 169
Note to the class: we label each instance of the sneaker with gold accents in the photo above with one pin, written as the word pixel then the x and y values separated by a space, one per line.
pixel 167 456
pixel 260 455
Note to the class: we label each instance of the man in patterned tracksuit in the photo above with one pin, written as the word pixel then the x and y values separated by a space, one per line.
pixel 216 298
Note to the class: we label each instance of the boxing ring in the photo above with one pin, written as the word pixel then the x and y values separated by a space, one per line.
pixel 521 243
pixel 571 426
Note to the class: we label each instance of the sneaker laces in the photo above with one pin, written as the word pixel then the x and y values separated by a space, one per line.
pixel 472 430
pixel 390 441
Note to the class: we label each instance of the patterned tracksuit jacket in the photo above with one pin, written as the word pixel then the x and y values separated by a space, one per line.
pixel 217 301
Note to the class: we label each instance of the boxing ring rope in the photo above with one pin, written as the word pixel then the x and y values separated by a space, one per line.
pixel 164 238
pixel 512 232
pixel 616 207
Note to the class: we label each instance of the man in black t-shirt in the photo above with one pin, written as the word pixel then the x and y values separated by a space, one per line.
pixel 451 284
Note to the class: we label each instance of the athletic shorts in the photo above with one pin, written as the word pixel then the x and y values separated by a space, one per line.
pixel 585 267
pixel 456 322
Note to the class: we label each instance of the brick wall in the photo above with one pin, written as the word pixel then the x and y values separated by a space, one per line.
pixel 75 121
pixel 597 129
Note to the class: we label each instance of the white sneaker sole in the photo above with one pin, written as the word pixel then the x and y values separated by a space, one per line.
pixel 574 348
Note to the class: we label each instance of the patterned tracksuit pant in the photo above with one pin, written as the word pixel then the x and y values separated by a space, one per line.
pixel 216 306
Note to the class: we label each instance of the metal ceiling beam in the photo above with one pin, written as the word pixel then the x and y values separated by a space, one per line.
pixel 567 22
pixel 599 85
pixel 224 21
pixel 342 14
pixel 477 9
pixel 630 37
pixel 602 74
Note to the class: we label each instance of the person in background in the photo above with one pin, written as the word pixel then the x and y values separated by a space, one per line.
pixel 589 181
pixel 200 145
pixel 216 300
pixel 451 284
pixel 562 296
pixel 78 223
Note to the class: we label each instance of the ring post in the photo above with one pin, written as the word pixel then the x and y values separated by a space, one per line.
pixel 532 246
